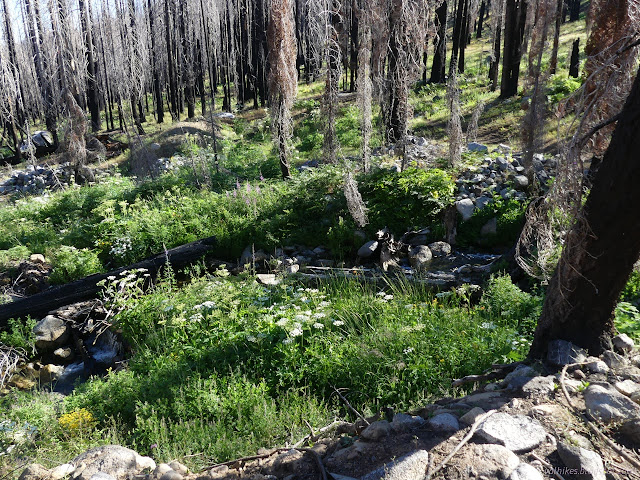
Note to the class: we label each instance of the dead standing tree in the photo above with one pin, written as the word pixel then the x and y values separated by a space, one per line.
pixel 600 249
pixel 282 77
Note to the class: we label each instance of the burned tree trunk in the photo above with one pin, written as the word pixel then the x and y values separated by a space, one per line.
pixel 575 59
pixel 601 248
pixel 440 45
pixel 84 289
pixel 92 84
pixel 514 26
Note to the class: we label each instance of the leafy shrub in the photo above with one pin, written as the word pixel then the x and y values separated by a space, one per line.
pixel 561 86
pixel 631 291
pixel 71 263
pixel 507 304
pixel 627 319
pixel 19 334
pixel 510 219
pixel 13 255
pixel 410 199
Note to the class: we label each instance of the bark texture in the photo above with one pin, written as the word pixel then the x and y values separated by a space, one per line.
pixel 600 249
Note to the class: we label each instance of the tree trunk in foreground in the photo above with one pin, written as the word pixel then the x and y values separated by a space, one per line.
pixel 600 249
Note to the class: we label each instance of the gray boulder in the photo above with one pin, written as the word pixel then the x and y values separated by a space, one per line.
pixel 366 250
pixel 420 256
pixel 376 431
pixel 114 460
pixel 518 433
pixel 524 471
pixel 407 467
pixel 465 208
pixel 586 463
pixel 51 332
pixel 520 181
pixel 490 461
pixel 477 147
pixel 440 249
pixel 444 422
pixel 608 405
pixel 613 360
pixel 623 342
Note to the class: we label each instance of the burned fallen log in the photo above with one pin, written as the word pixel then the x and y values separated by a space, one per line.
pixel 86 288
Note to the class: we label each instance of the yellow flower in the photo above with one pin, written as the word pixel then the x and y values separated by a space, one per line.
pixel 78 421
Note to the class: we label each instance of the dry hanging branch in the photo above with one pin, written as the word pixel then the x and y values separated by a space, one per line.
pixel 454 126
pixel 282 77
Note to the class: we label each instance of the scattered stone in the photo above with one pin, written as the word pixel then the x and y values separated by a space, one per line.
pixel 63 353
pixel 51 332
pixel 115 460
pixel 50 373
pixel 286 462
pixel 471 416
pixel 524 471
pixel 440 249
pixel 37 258
pixel 518 433
pixel 267 279
pixel 485 400
pixel 34 471
pixel 403 422
pixel 178 467
pixel 366 250
pixel 408 467
pixel 293 268
pixel 102 476
pixel 490 461
pixel 444 422
pixel 596 365
pixel 561 353
pixel 465 208
pixel 420 256
pixel 160 470
pixel 586 463
pixel 489 228
pixel 520 371
pixel 376 431
pixel 520 181
pixel 62 471
pixel 623 342
pixel 631 430
pixel 614 360
pixel 608 405
pixel 477 147
pixel 627 387
pixel 171 475
pixel 538 386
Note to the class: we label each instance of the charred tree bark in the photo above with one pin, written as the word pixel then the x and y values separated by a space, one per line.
pixel 574 10
pixel 40 67
pixel 575 59
pixel 459 38
pixel 480 20
pixel 157 86
pixel 92 84
pixel 553 63
pixel 601 248
pixel 171 80
pixel 14 107
pixel 515 19
pixel 42 303
pixel 440 45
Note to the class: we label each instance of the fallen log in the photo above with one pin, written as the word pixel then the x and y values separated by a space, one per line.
pixel 86 288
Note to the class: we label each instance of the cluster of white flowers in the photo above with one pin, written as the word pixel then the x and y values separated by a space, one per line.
pixel 385 297
pixel 121 246
pixel 488 326
pixel 209 305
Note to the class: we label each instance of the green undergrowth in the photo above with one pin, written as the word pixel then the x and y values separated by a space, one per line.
pixel 222 366
pixel 117 222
